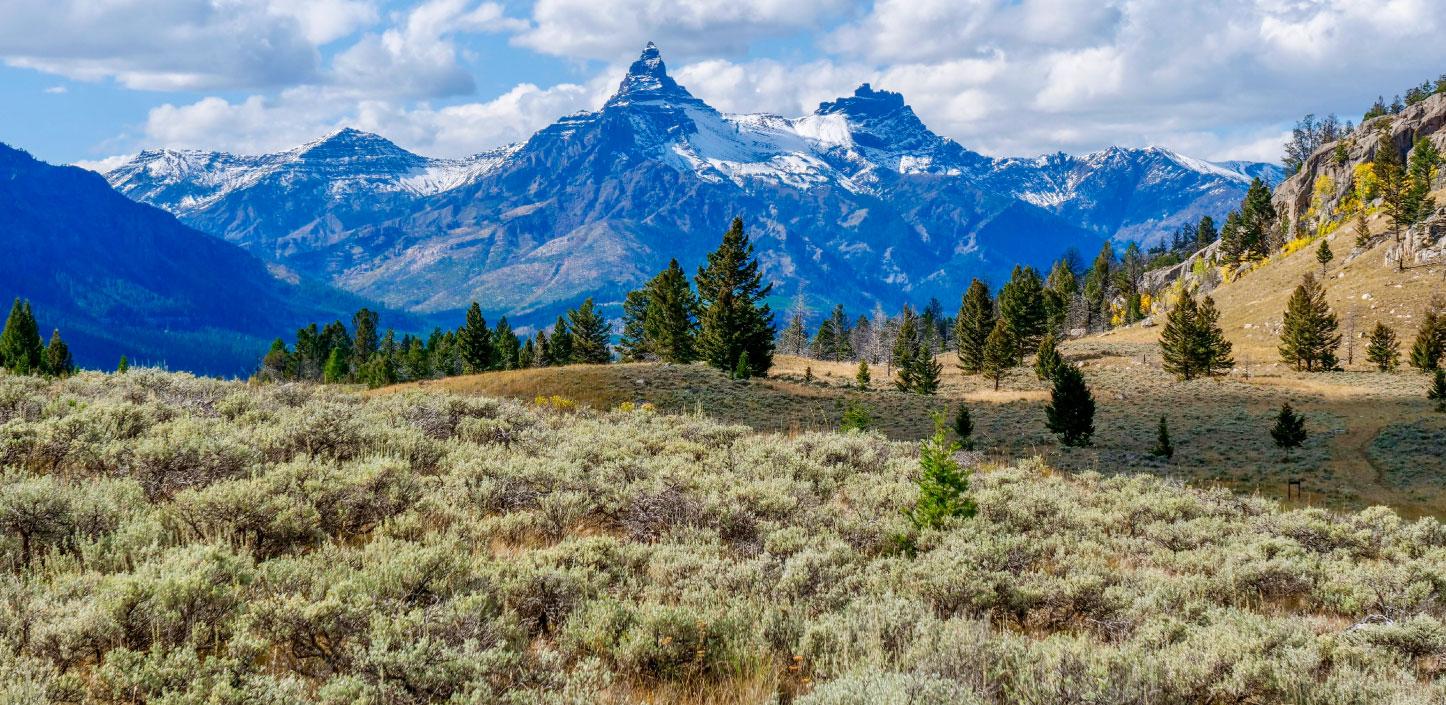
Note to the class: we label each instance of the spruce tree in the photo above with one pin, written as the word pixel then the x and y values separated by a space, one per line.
pixel 842 346
pixel 1060 290
pixel 855 417
pixel 506 347
pixel 1384 350
pixel 1097 285
pixel 1394 188
pixel 1071 410
pixel 1212 351
pixel 670 326
pixel 528 359
pixel 1047 358
pixel 964 428
pixel 943 485
pixel 1178 338
pixel 1022 308
pixel 1163 448
pixel 1429 347
pixel 743 370
pixel 336 369
pixel 544 350
pixel 927 371
pixel 1437 392
pixel 1323 255
pixel 123 366
pixel 734 318
pixel 1205 232
pixel 590 334
pixel 1289 430
pixel 632 345
pixel 277 363
pixel 365 340
pixel 561 343
pixel 906 349
pixel 824 341
pixel 475 341
pixel 1308 337
pixel 58 361
pixel 998 353
pixel 20 348
pixel 862 376
pixel 973 325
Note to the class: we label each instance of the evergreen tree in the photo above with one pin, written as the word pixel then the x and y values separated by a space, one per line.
pixel 1071 410
pixel 365 342
pixel 964 428
pixel 1047 358
pixel 926 373
pixel 474 340
pixel 1289 430
pixel 632 345
pixel 1384 350
pixel 590 334
pixel 972 326
pixel 544 350
pixel 862 376
pixel 906 349
pixel 998 353
pixel 1205 232
pixel 1309 339
pixel 855 417
pixel 1429 347
pixel 1162 448
pixel 743 370
pixel 943 485
pixel 825 341
pixel 1178 338
pixel 1211 350
pixel 794 339
pixel 842 347
pixel 734 319
pixel 1097 285
pixel 336 368
pixel 123 366
pixel 1392 184
pixel 1257 217
pixel 670 326
pixel 1437 392
pixel 506 347
pixel 528 359
pixel 1060 290
pixel 1323 255
pixel 58 361
pixel 20 348
pixel 561 344
pixel 277 363
pixel 1022 308
pixel 1420 174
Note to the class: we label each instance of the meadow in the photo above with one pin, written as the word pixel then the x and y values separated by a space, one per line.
pixel 171 539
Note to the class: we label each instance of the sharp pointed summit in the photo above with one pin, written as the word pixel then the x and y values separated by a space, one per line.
pixel 648 81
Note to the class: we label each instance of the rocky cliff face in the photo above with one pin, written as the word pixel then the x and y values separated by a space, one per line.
pixel 1330 169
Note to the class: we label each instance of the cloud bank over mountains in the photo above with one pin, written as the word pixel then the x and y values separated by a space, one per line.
pixel 1006 77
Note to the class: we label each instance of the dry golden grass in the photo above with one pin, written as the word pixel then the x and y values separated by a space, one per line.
pixel 1220 427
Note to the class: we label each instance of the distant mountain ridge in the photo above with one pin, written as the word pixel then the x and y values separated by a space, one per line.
pixel 123 278
pixel 857 203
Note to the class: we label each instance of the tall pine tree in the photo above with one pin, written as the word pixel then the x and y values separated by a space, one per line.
pixel 1308 338
pixel 670 326
pixel 1383 350
pixel 734 321
pixel 1071 410
pixel 590 334
pixel 633 345
pixel 972 326
pixel 475 341
pixel 998 353
pixel 1177 338
pixel 58 361
pixel 906 350
pixel 20 348
pixel 1022 308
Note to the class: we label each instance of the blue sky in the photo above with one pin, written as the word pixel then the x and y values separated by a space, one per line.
pixel 87 80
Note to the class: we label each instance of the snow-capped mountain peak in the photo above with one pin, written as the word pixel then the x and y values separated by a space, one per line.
pixel 647 81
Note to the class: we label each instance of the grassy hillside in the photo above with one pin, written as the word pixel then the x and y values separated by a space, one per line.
pixel 1252 307
pixel 166 539
pixel 1374 438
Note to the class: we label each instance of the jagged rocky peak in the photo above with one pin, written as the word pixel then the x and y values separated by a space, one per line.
pixel 648 81
pixel 879 119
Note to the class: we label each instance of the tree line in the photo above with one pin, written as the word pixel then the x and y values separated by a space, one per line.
pixel 21 349
pixel 724 323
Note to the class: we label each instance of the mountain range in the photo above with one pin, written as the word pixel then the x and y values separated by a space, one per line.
pixel 857 203
pixel 118 277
